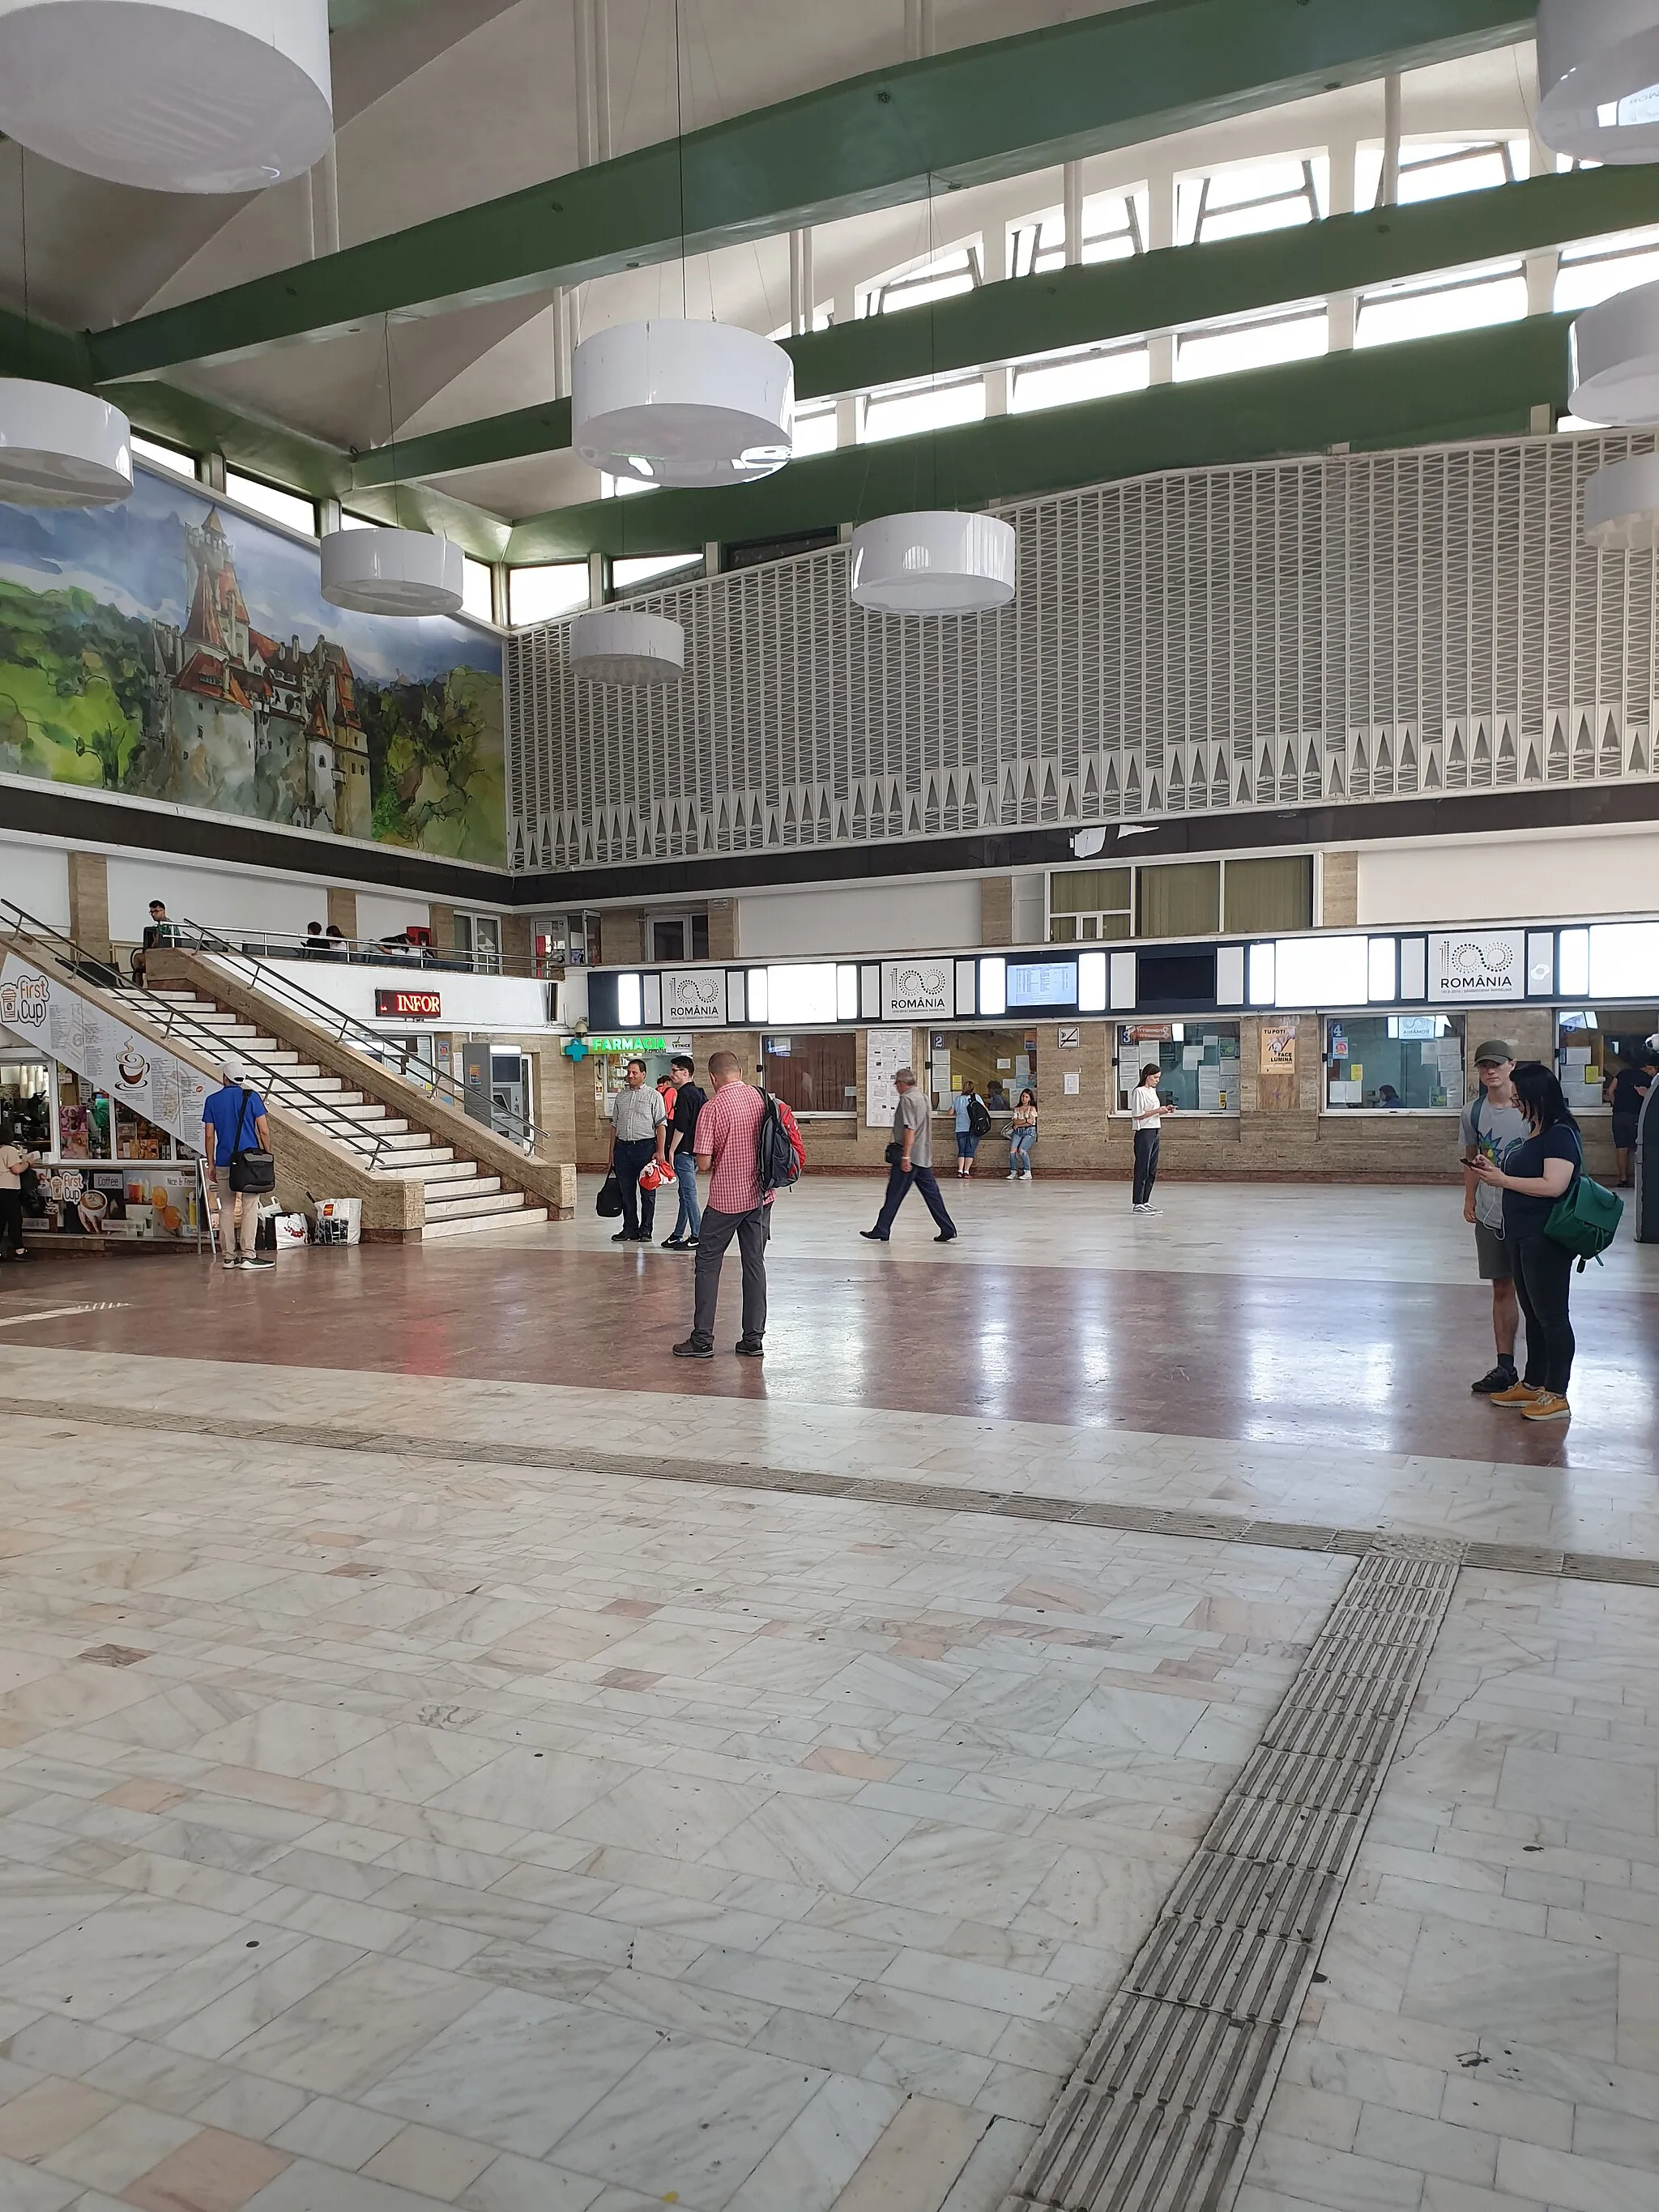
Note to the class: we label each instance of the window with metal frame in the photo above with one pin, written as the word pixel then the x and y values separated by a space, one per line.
pixel 291 508
pixel 1436 168
pixel 1060 379
pixel 176 462
pixel 1247 197
pixel 1598 267
pixel 1091 903
pixel 903 411
pixel 1251 342
pixel 958 269
pixel 1114 226
pixel 543 592
pixel 638 573
pixel 1469 301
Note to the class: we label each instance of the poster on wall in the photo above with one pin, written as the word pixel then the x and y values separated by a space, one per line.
pixel 886 1052
pixel 1477 963
pixel 921 989
pixel 109 1057
pixel 1278 1048
pixel 694 996
pixel 176 650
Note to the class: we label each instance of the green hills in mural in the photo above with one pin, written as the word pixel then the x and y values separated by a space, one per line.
pixel 75 678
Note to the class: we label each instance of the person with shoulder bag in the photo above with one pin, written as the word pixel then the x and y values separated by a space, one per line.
pixel 1022 1137
pixel 1491 1126
pixel 236 1137
pixel 15 1163
pixel 1553 1214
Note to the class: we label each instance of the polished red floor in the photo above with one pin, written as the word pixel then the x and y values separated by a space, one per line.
pixel 1363 1364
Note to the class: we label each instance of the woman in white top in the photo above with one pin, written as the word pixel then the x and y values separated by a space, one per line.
pixel 1147 1109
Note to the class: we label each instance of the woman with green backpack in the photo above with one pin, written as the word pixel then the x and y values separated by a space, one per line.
pixel 1553 1214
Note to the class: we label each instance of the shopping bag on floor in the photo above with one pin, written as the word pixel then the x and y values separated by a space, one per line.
pixel 608 1205
pixel 339 1221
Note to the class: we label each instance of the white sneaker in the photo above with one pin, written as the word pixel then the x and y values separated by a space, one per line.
pixel 1150 1208
pixel 1012 1176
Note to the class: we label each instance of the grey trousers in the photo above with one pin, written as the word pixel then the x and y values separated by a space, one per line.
pixel 751 1230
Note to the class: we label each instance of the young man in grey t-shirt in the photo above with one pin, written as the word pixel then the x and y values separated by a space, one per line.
pixel 1491 1124
pixel 910 1163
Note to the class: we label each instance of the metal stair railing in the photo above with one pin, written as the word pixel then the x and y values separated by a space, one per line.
pixel 177 1024
pixel 346 1029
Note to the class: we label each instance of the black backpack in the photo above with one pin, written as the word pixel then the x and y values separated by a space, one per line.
pixel 781 1153
pixel 979 1117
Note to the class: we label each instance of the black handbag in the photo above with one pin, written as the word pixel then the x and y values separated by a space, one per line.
pixel 253 1172
pixel 608 1205
pixel 893 1155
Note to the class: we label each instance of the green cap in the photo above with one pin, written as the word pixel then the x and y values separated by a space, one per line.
pixel 1494 1050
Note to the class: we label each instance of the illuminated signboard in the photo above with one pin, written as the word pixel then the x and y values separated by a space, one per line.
pixel 408 1005
pixel 633 1044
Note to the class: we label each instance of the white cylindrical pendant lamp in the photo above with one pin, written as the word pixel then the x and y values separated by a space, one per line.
pixel 1598 78
pixel 1615 359
pixel 192 96
pixel 1621 506
pixel 684 404
pixel 61 447
pixel 934 564
pixel 617 645
pixel 391 572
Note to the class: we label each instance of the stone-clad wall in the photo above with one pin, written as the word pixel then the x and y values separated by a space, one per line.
pixel 1279 1135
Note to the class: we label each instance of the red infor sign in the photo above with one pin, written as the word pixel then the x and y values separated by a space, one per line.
pixel 409 1005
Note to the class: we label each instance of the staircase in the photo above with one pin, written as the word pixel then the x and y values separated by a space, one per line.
pixel 460 1200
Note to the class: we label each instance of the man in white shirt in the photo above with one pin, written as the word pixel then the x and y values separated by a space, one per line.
pixel 1146 1110
pixel 638 1130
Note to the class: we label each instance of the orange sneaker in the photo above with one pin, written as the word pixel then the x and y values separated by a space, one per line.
pixel 1547 1405
pixel 1518 1394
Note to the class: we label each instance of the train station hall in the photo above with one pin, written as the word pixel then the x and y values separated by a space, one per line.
pixel 829 1139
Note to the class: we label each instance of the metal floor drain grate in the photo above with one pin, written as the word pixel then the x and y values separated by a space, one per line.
pixel 1163 2109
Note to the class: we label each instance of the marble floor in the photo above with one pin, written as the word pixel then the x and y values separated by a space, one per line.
pixel 439 1765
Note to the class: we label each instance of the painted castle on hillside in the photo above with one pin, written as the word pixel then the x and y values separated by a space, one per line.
pixel 255 726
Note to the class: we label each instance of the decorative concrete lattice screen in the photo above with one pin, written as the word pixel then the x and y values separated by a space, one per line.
pixel 1353 628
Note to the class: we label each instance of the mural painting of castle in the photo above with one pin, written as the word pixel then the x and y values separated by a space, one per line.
pixel 255 726
pixel 177 650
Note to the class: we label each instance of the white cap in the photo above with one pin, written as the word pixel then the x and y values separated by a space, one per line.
pixel 231 1070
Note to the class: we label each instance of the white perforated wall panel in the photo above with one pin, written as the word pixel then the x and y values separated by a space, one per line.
pixel 1353 628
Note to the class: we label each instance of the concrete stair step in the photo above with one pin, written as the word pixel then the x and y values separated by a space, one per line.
pixel 460 1209
pixel 527 1216
pixel 406 1163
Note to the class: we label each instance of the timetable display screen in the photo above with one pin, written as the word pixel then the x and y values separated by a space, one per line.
pixel 1043 983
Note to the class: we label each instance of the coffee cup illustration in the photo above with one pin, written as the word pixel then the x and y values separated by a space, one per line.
pixel 132 1067
pixel 93 1207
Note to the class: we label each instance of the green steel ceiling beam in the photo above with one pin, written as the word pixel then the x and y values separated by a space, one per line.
pixel 1474 383
pixel 288 457
pixel 1112 299
pixel 977 114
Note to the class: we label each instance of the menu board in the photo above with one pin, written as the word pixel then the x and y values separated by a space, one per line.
pixel 109 1056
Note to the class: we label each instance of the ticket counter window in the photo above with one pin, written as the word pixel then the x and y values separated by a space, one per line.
pixel 813 1074
pixel 999 1063
pixel 1198 1064
pixel 26 1105
pixel 1594 1046
pixel 1399 1062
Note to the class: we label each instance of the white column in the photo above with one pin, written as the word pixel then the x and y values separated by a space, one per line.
pixel 1541 272
pixel 801 303
pixel 845 310
pixel 993 252
pixel 1390 141
pixel 1343 305
pixel 563 338
pixel 1160 233
pixel 596 580
pixel 918 29
pixel 1071 192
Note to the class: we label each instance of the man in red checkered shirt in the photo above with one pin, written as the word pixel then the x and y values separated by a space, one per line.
pixel 727 1149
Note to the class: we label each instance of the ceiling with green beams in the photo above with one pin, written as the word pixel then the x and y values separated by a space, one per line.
pixel 424 358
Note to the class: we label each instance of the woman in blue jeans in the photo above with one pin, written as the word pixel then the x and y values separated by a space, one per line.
pixel 1536 1173
pixel 1022 1137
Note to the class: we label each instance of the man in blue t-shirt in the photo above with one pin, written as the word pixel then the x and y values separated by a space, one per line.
pixel 234 1120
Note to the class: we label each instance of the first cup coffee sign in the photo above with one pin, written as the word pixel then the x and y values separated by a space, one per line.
pixel 409 1005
